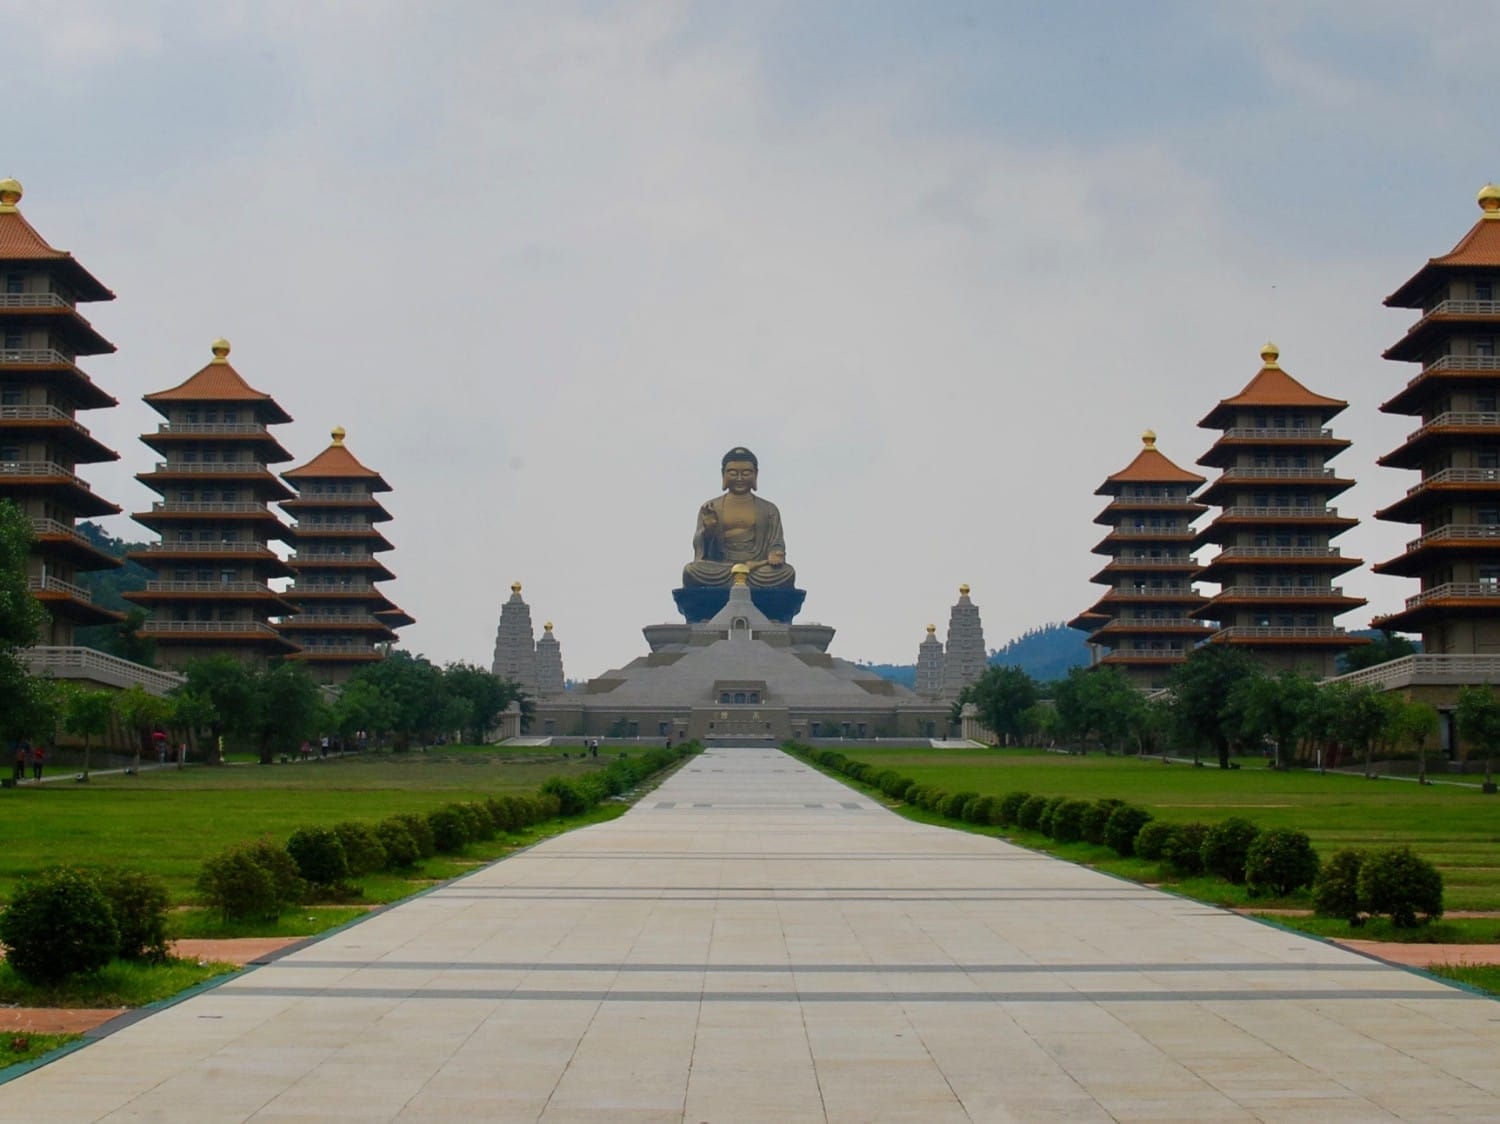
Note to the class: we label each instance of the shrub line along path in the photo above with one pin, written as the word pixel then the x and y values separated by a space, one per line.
pixel 755 941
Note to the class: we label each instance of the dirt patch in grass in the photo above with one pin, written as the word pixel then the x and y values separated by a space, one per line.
pixel 1426 955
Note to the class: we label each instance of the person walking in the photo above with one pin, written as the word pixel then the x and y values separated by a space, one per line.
pixel 23 758
pixel 38 756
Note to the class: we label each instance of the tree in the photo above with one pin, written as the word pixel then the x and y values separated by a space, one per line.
pixel 86 713
pixel 1201 688
pixel 21 620
pixel 1275 707
pixel 1478 721
pixel 361 707
pixel 1096 701
pixel 224 697
pixel 1384 648
pixel 1350 715
pixel 143 715
pixel 1414 723
pixel 1003 695
pixel 286 707
pixel 487 695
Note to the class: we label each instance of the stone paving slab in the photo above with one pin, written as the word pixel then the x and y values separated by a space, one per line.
pixel 757 942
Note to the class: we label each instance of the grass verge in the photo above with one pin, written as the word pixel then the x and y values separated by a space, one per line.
pixel 1454 930
pixel 118 984
pixel 1484 977
pixel 23 1046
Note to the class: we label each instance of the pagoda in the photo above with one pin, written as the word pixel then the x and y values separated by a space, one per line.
pixel 42 390
pixel 1144 622
pixel 1276 564
pixel 339 622
pixel 964 656
pixel 549 664
pixel 1456 447
pixel 212 565
pixel 929 680
pixel 515 643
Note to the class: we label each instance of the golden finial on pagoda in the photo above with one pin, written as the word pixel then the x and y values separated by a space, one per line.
pixel 515 587
pixel 338 435
pixel 220 348
pixel 1149 439
pixel 931 629
pixel 1489 200
pixel 548 626
pixel 741 573
pixel 1270 355
pixel 963 590
pixel 10 195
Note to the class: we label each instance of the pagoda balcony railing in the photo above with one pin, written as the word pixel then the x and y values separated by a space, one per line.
pixel 163 627
pixel 36 413
pixel 57 585
pixel 42 468
pixel 315 557
pixel 1146 624
pixel 346 499
pixel 1311 512
pixel 1232 552
pixel 1456 591
pixel 1252 472
pixel 42 356
pixel 1457 531
pixel 209 548
pixel 299 589
pixel 211 507
pixel 1158 591
pixel 43 526
pixel 334 528
pixel 34 300
pixel 1457 308
pixel 74 662
pixel 1454 418
pixel 213 467
pixel 1439 669
pixel 1267 433
pixel 211 428
pixel 339 649
pixel 337 618
pixel 1463 363
pixel 207 587
pixel 1281 632
pixel 1279 592
pixel 1150 655
pixel 1150 532
pixel 1457 476
pixel 1150 501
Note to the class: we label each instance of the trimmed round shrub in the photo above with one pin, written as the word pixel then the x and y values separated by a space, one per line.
pixel 319 856
pixel 1336 892
pixel 500 812
pixel 1183 850
pixel 251 881
pixel 1225 847
pixel 139 902
pixel 914 794
pixel 1067 821
pixel 899 788
pixel 1030 815
pixel 1008 812
pixel 363 850
pixel 1150 840
pixel 1399 883
pixel 58 924
pixel 572 796
pixel 450 831
pixel 401 849
pixel 981 811
pixel 1044 821
pixel 953 805
pixel 421 833
pixel 1279 862
pixel 549 807
pixel 884 779
pixel 1123 825
pixel 1096 817
pixel 933 799
pixel 480 826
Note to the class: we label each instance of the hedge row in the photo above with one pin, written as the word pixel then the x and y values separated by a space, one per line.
pixel 261 880
pixel 1395 882
pixel 64 921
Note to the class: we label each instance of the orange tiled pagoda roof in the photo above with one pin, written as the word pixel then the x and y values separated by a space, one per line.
pixel 218 382
pixel 20 242
pixel 337 461
pixel 1478 249
pixel 1149 467
pixel 1271 386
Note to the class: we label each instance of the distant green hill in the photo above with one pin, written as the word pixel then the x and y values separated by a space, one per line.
pixel 1044 653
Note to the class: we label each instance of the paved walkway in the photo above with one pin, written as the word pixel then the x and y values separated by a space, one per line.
pixel 757 942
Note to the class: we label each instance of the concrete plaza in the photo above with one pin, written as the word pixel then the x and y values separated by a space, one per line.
pixel 755 941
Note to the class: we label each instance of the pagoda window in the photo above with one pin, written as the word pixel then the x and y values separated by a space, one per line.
pixel 1262 421
pixel 1485 345
pixel 231 416
pixel 228 575
pixel 1489 576
pixel 10 395
pixel 184 536
pixel 1484 401
pixel 1287 620
pixel 1487 516
pixel 190 456
pixel 14 338
pixel 210 416
pixel 1261 460
pixel 1261 620
pixel 1308 620
pixel 1483 291
pixel 229 495
pixel 15 282
pixel 1299 422
pixel 210 456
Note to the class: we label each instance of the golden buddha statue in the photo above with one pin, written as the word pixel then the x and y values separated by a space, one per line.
pixel 739 527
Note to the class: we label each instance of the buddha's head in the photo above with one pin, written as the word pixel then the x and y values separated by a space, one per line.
pixel 740 471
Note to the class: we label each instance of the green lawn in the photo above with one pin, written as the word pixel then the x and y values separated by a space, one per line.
pixel 1456 828
pixel 165 821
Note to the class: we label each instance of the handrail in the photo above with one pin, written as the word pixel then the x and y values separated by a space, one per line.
pixel 1182 591
pixel 1278 592
pixel 1152 501
pixel 76 662
pixel 227 507
pixel 1313 512
pixel 1462 363
pixel 42 468
pixel 57 585
pixel 1150 532
pixel 1473 418
pixel 242 468
pixel 1276 433
pixel 1457 531
pixel 1263 472
pixel 1278 632
pixel 1425 668
pixel 34 300
pixel 207 587
pixel 35 413
pixel 160 627
pixel 336 619
pixel 1457 476
pixel 210 548
pixel 1455 590
pixel 1230 552
pixel 194 428
pixel 41 355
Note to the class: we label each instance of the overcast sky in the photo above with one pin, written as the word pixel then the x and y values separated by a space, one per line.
pixel 938 265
